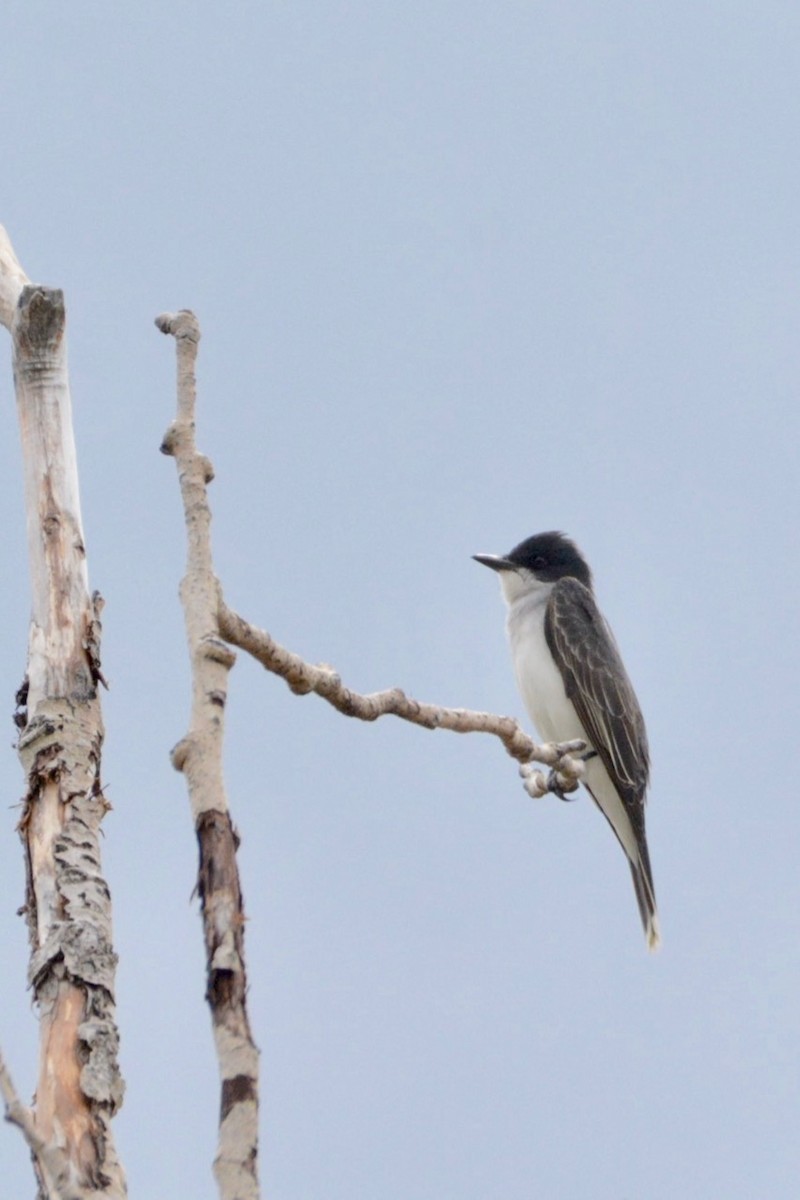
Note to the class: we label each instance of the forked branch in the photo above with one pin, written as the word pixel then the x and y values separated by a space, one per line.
pixel 210 624
pixel 199 756
pixel 52 1163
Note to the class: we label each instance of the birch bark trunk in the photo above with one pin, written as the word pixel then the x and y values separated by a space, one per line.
pixel 67 904
pixel 199 756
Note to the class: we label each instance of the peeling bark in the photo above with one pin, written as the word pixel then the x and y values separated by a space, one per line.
pixel 67 902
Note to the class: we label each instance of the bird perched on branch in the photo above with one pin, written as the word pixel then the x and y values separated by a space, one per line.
pixel 574 685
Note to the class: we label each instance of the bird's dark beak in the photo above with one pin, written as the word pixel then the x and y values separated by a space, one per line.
pixel 495 562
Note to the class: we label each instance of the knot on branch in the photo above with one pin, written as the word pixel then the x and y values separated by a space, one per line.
pixel 206 466
pixel 298 681
pixel 182 324
pixel 170 440
pixel 51 525
pixel 329 679
pixel 214 649
pixel 180 753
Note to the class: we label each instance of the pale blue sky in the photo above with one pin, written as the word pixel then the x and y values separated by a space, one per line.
pixel 464 272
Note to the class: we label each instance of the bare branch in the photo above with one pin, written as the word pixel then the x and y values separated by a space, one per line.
pixel 12 280
pixel 53 1165
pixel 199 757
pixel 303 677
pixel 209 625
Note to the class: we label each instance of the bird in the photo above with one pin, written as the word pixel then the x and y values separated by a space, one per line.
pixel 574 685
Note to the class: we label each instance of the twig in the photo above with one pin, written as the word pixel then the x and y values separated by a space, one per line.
pixel 53 1163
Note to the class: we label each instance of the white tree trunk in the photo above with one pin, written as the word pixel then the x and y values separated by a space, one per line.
pixel 68 906
pixel 199 756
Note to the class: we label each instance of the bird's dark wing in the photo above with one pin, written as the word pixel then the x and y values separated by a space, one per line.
pixel 596 682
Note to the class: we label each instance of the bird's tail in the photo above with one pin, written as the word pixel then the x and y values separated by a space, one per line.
pixel 646 897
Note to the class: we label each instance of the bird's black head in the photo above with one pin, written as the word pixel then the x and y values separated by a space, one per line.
pixel 551 556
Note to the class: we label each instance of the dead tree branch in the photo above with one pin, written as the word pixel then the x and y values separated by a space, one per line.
pixel 210 624
pixel 67 905
pixel 52 1164
pixel 199 756
pixel 303 677
pixel 12 280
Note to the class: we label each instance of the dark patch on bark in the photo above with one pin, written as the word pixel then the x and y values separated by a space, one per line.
pixel 220 893
pixel 21 704
pixel 91 642
pixel 40 318
pixel 234 1091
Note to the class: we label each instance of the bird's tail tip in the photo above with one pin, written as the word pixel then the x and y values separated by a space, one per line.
pixel 646 899
pixel 653 934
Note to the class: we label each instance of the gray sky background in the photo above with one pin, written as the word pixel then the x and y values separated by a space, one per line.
pixel 465 272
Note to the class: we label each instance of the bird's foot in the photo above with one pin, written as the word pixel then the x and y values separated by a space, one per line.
pixel 570 767
pixel 537 784
pixel 560 786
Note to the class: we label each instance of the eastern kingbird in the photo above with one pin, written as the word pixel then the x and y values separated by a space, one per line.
pixel 574 685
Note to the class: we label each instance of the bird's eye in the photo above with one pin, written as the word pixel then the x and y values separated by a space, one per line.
pixel 540 561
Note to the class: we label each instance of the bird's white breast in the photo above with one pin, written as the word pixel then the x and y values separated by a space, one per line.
pixel 545 697
pixel 538 677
